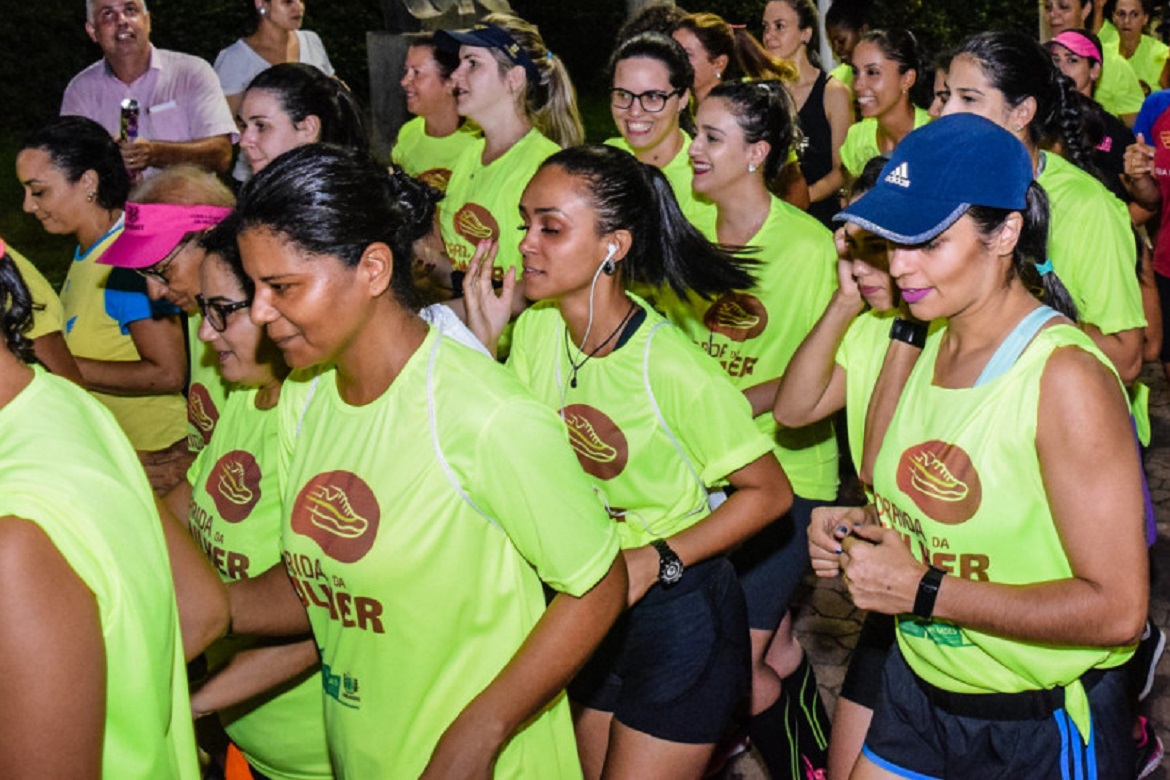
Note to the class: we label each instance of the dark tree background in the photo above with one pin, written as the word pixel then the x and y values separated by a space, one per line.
pixel 44 42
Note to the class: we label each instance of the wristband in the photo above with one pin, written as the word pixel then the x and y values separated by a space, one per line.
pixel 927 592
pixel 912 333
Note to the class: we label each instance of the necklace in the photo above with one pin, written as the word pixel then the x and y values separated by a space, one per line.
pixel 577 366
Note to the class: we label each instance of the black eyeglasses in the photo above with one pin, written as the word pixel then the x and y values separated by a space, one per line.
pixel 652 102
pixel 158 271
pixel 216 313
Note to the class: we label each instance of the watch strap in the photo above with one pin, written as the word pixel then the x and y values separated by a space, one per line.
pixel 927 592
pixel 912 333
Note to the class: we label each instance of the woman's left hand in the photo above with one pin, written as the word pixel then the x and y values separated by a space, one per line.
pixel 879 570
pixel 641 570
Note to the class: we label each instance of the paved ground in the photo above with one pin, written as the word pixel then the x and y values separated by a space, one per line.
pixel 827 622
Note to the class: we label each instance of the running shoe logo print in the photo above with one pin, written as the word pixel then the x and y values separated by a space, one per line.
pixel 941 480
pixel 234 485
pixel 201 414
pixel 436 177
pixel 737 316
pixel 600 445
pixel 475 223
pixel 340 513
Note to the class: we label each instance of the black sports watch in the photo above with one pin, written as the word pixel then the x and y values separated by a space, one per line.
pixel 927 592
pixel 670 568
pixel 912 333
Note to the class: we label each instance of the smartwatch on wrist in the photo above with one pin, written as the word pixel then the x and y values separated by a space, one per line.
pixel 927 592
pixel 670 567
pixel 912 333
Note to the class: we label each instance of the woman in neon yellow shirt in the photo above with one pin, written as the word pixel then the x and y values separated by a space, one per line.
pixel 1145 53
pixel 521 96
pixel 409 550
pixel 745 132
pixel 1006 534
pixel 886 64
pixel 91 626
pixel 653 422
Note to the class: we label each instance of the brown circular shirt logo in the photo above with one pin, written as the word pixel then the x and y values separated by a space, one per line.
pixel 475 223
pixel 941 480
pixel 737 316
pixel 600 445
pixel 201 414
pixel 340 513
pixel 436 177
pixel 234 485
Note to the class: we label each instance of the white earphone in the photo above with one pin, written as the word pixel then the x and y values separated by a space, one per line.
pixel 608 267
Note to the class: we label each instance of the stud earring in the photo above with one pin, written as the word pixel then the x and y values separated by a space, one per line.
pixel 751 167
pixel 90 196
pixel 719 75
pixel 263 11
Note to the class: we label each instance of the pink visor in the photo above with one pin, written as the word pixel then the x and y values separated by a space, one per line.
pixel 153 229
pixel 1077 44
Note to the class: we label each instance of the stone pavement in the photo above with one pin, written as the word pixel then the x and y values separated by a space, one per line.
pixel 827 622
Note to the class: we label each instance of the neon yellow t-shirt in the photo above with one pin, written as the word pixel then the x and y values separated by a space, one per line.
pixel 48 314
pixel 861 354
pixel 1119 91
pixel 844 73
pixel 635 467
pixel 235 516
pixel 66 466
pixel 861 142
pixel 1092 248
pixel 97 317
pixel 1108 34
pixel 754 333
pixel 416 599
pixel 699 210
pixel 427 158
pixel 208 390
pixel 959 477
pixel 1148 60
pixel 484 201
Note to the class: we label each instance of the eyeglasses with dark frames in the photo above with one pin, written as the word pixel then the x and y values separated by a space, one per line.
pixel 216 312
pixel 158 271
pixel 651 101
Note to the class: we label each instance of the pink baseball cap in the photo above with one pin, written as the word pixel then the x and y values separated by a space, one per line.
pixel 1078 44
pixel 152 230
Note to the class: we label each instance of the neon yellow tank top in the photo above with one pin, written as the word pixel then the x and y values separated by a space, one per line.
pixel 959 478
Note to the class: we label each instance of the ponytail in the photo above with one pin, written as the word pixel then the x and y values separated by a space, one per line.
pixel 746 56
pixel 1030 256
pixel 303 91
pixel 666 248
pixel 550 102
pixel 16 308
pixel 764 111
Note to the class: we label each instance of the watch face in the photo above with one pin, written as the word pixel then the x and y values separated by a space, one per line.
pixel 670 571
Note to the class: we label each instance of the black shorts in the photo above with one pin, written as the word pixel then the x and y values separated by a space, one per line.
pixel 863 678
pixel 677 666
pixel 913 735
pixel 772 563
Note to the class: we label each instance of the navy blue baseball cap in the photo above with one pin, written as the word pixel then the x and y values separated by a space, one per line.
pixel 938 172
pixel 489 36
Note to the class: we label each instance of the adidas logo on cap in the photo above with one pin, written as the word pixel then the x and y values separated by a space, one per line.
pixel 900 175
